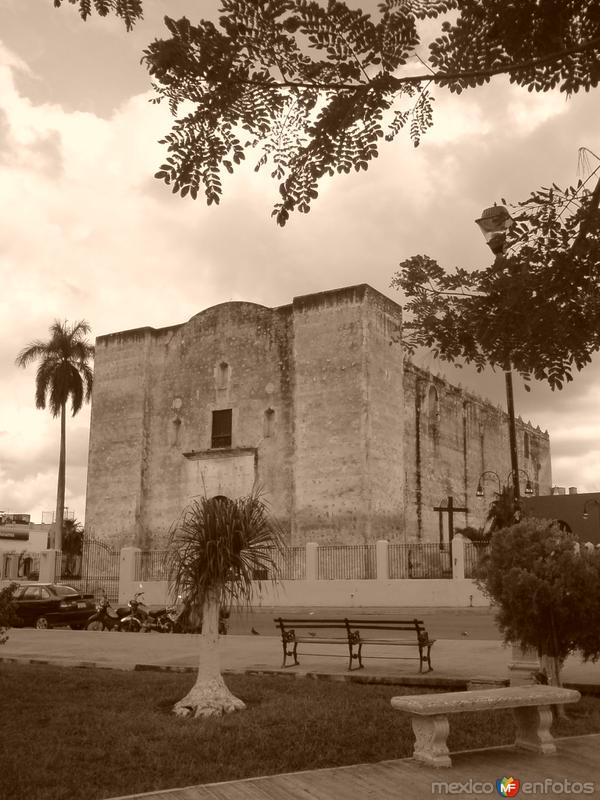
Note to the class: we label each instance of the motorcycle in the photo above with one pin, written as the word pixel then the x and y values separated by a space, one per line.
pixel 105 618
pixel 138 612
pixel 157 620
pixel 141 618
pixel 179 618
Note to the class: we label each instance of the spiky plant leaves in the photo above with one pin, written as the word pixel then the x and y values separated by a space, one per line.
pixel 219 545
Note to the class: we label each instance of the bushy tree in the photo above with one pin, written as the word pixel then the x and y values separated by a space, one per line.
pixel 7 614
pixel 314 87
pixel 215 550
pixel 546 590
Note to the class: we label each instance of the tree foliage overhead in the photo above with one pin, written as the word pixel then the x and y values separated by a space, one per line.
pixel 129 10
pixel 314 87
pixel 537 307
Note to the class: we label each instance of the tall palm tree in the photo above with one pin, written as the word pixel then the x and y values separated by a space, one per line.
pixel 63 371
pixel 215 550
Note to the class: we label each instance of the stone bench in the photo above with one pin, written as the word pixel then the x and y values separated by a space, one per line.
pixel 530 705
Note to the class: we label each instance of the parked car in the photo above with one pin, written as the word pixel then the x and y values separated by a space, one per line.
pixel 43 605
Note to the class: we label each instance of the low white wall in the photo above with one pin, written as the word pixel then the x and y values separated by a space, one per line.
pixel 427 593
pixel 457 593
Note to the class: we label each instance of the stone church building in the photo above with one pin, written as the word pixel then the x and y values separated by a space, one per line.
pixel 312 401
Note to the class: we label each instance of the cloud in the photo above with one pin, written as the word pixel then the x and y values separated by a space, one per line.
pixel 86 232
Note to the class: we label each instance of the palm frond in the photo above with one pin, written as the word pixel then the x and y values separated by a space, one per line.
pixel 64 370
pixel 34 350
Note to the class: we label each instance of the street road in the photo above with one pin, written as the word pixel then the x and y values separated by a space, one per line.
pixel 441 623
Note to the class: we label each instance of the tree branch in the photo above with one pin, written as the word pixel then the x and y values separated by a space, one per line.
pixel 435 77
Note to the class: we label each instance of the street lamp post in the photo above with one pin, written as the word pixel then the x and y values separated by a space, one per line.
pixel 494 224
pixel 511 475
pixel 592 502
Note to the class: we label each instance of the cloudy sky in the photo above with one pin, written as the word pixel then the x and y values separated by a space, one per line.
pixel 86 232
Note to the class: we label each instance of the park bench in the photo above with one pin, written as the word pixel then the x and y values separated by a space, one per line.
pixel 530 705
pixel 350 632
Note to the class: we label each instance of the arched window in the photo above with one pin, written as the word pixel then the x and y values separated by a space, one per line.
pixel 564 526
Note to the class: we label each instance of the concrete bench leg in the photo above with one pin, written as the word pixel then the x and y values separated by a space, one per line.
pixel 533 729
pixel 430 740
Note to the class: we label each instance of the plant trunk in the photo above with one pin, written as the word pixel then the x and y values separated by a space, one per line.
pixel 60 491
pixel 209 696
pixel 551 665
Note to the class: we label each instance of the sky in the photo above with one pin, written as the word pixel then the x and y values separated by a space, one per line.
pixel 86 232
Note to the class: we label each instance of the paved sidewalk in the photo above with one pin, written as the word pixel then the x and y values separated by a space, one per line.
pixel 473 775
pixel 454 661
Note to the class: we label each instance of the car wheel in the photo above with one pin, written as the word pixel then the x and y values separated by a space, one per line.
pixel 96 625
pixel 42 624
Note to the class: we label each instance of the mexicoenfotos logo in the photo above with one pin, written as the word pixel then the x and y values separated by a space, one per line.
pixel 511 787
pixel 508 787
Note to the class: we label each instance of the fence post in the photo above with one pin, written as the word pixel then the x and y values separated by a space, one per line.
pixel 127 561
pixel 382 560
pixel 48 559
pixel 458 556
pixel 312 561
pixel 10 570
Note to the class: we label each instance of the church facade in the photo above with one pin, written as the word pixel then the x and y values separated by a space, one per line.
pixel 313 402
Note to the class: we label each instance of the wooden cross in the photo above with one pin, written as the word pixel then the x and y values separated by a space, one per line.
pixel 450 509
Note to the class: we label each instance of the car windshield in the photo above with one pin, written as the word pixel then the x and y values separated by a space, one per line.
pixel 65 591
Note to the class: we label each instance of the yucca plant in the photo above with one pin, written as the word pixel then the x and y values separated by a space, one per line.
pixel 215 550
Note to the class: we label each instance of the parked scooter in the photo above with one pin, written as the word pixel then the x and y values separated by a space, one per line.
pixel 157 620
pixel 138 613
pixel 179 618
pixel 106 618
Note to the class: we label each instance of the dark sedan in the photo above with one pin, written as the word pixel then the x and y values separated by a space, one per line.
pixel 43 605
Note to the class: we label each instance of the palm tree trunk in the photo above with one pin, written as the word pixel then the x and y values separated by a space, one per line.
pixel 209 696
pixel 60 491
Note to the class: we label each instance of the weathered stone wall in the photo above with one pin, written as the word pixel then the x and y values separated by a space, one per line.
pixel 236 356
pixel 348 434
pixel 348 443
pixel 451 437
pixel 119 408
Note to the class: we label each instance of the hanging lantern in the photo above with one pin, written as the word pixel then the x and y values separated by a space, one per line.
pixel 494 223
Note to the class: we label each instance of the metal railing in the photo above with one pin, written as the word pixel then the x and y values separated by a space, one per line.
pixel 347 562
pixel 419 560
pixel 475 552
pixel 151 565
pixel 291 563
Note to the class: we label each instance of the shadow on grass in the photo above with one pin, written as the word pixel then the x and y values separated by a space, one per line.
pixel 78 734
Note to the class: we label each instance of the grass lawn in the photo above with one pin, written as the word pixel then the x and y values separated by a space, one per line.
pixel 77 734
